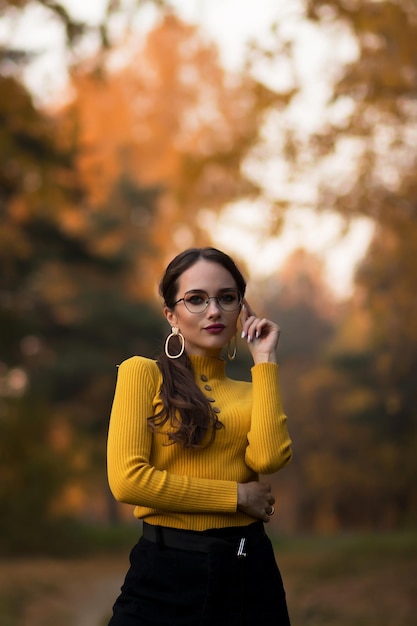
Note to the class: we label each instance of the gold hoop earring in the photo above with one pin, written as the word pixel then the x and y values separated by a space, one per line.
pixel 175 333
pixel 232 356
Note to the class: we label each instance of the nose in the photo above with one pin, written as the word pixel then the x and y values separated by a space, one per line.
pixel 213 306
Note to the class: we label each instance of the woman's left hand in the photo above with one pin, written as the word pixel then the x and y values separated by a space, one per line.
pixel 261 334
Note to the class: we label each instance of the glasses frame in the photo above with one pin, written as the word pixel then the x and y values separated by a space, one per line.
pixel 207 301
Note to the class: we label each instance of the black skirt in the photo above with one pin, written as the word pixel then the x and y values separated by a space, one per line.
pixel 221 577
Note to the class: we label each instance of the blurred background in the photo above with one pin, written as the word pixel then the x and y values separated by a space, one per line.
pixel 284 133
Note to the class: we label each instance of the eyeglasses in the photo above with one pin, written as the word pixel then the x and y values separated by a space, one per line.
pixel 197 301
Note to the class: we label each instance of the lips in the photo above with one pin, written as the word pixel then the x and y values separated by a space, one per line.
pixel 215 328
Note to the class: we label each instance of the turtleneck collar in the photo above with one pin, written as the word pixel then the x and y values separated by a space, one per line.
pixel 208 366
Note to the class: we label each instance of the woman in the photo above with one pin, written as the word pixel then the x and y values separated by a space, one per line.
pixel 186 445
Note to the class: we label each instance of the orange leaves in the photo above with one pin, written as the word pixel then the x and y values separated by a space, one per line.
pixel 167 116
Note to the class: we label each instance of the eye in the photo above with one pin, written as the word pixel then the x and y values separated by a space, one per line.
pixel 196 298
pixel 228 298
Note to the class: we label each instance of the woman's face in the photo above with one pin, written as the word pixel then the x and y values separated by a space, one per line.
pixel 205 333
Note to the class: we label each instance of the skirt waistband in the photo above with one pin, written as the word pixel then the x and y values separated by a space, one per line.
pixel 235 538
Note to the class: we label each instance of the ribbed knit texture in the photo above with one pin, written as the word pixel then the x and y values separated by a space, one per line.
pixel 194 489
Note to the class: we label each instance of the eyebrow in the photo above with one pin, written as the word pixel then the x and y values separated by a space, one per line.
pixel 219 291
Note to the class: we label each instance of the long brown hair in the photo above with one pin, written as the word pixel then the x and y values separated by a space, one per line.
pixel 185 406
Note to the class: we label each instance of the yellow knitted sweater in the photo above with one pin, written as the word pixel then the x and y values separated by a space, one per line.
pixel 194 489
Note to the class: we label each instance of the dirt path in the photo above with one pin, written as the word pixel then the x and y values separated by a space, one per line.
pixel 45 592
pixel 93 596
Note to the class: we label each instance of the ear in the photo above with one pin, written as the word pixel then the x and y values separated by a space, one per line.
pixel 170 316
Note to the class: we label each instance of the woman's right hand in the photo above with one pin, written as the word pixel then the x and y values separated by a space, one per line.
pixel 255 499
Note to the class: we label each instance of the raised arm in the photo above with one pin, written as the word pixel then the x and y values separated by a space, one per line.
pixel 269 444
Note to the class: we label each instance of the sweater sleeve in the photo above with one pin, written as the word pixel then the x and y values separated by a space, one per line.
pixel 132 478
pixel 269 444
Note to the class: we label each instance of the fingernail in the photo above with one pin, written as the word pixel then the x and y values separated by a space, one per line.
pixel 248 338
pixel 257 335
pixel 243 334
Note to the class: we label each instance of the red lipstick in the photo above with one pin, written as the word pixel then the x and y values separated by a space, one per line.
pixel 215 329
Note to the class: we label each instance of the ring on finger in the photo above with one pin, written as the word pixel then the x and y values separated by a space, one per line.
pixel 271 511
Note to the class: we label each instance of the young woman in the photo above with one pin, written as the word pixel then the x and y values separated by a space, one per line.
pixel 186 445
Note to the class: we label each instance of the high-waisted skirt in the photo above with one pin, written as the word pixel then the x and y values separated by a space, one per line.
pixel 220 577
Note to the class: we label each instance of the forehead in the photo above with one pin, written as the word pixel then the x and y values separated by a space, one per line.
pixel 206 275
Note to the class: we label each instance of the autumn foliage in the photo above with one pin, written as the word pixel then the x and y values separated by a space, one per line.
pixel 97 194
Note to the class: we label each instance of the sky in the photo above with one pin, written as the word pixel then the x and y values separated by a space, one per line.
pixel 231 23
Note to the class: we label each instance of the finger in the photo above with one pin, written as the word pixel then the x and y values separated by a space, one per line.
pixel 247 325
pixel 244 313
pixel 259 327
pixel 254 328
pixel 263 327
pixel 265 517
pixel 250 311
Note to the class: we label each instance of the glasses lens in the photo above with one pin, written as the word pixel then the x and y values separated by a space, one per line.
pixel 229 300
pixel 197 301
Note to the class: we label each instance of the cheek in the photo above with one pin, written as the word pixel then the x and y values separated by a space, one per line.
pixel 185 321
